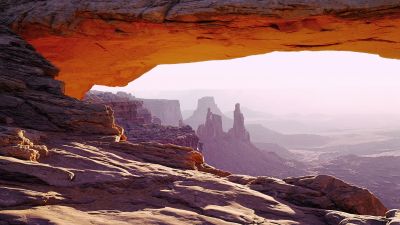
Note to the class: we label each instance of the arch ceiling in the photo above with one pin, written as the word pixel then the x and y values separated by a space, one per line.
pixel 113 42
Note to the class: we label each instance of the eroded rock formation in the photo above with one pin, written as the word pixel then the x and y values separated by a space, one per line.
pixel 113 42
pixel 321 191
pixel 381 175
pixel 238 130
pixel 14 143
pixel 232 151
pixel 31 98
pixel 88 177
pixel 201 112
pixel 139 124
pixel 128 111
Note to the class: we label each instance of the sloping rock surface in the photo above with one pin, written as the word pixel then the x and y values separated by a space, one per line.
pixel 320 191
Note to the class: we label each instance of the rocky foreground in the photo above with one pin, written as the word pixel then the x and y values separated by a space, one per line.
pixel 62 161
pixel 90 179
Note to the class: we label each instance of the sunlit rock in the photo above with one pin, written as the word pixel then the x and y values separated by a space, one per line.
pixel 113 42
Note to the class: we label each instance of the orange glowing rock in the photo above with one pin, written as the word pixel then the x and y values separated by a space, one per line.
pixel 113 45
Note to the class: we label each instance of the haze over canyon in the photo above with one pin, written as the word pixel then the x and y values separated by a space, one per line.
pixel 307 138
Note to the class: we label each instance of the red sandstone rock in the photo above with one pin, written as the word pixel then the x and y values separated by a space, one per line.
pixel 14 143
pixel 321 191
pixel 31 98
pixel 80 36
pixel 380 175
pixel 88 178
pixel 343 196
pixel 128 111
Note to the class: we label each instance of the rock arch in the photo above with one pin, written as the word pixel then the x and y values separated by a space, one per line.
pixel 113 42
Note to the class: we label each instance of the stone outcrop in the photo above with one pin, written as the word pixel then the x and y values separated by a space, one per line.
pixel 232 151
pixel 14 143
pixel 113 42
pixel 31 98
pixel 201 112
pixel 381 175
pixel 321 191
pixel 343 196
pixel 128 111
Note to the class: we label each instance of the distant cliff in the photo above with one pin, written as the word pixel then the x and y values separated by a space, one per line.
pixel 233 151
pixel 169 111
pixel 139 123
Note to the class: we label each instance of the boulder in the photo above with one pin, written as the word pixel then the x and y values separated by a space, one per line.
pixel 344 196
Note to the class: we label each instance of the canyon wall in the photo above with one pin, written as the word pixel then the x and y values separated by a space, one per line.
pixel 114 42
pixel 138 122
pixel 168 111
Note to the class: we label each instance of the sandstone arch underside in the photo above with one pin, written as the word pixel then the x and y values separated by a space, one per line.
pixel 113 42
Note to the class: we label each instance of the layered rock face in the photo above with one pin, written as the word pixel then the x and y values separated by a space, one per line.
pixel 128 111
pixel 113 42
pixel 182 136
pixel 31 98
pixel 89 178
pixel 321 191
pixel 233 151
pixel 138 122
pixel 13 143
pixel 201 112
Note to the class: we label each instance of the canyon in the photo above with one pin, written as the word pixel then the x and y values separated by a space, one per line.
pixel 66 161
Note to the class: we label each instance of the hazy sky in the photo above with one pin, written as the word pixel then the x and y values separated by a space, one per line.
pixel 301 82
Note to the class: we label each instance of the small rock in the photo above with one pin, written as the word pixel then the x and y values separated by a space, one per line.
pixel 393 213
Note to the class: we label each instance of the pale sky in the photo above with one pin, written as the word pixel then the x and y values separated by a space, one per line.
pixel 295 82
